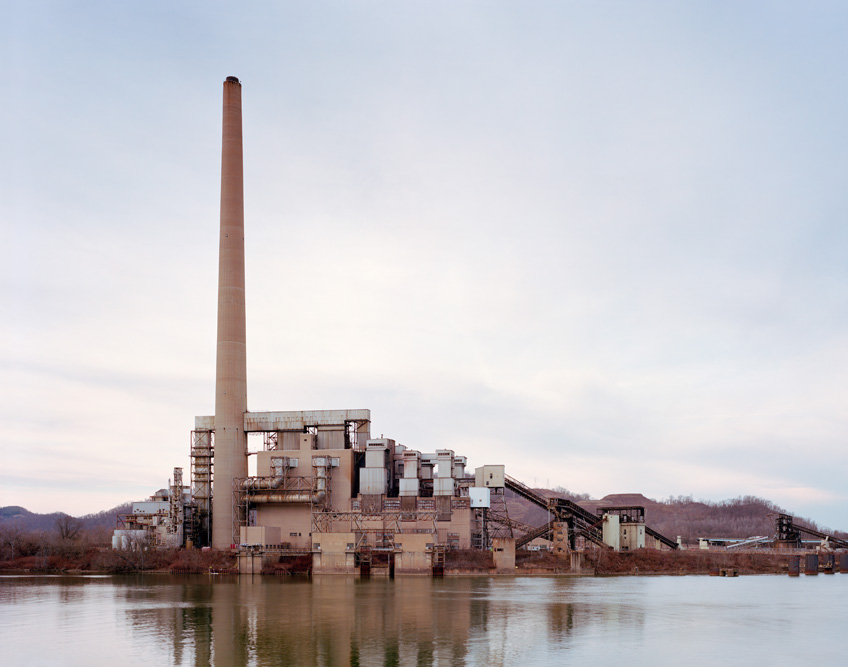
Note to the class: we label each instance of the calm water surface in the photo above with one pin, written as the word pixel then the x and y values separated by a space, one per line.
pixel 202 620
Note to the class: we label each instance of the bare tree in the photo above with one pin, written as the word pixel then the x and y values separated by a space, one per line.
pixel 68 527
pixel 17 542
pixel 10 535
pixel 135 552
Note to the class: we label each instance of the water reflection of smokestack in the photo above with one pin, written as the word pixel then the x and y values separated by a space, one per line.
pixel 228 627
pixel 335 619
pixel 343 621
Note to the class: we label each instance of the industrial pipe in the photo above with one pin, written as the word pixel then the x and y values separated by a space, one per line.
pixel 284 497
pixel 259 483
pixel 257 486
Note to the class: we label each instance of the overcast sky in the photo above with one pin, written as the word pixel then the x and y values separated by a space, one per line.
pixel 603 243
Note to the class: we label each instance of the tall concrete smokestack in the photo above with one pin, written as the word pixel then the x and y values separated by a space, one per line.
pixel 231 369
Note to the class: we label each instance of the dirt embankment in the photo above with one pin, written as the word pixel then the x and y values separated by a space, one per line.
pixel 651 561
pixel 104 559
pixel 598 562
pixel 644 561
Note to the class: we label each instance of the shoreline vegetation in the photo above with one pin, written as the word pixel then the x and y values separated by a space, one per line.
pixel 59 543
pixel 92 559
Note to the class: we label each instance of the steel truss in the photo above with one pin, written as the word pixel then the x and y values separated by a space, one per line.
pixel 202 452
pixel 364 522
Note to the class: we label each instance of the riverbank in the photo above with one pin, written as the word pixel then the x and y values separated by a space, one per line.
pixel 599 562
pixel 104 560
pixel 650 561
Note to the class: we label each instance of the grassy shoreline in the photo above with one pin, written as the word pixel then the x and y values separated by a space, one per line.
pixel 467 563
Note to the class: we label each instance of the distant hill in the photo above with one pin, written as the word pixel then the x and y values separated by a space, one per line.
pixel 33 522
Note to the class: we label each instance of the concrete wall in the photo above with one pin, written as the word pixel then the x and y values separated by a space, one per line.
pixel 503 550
pixel 333 553
pixel 632 536
pixel 414 556
pixel 287 518
pixel 459 524
pixel 653 543
pixel 491 476
pixel 263 535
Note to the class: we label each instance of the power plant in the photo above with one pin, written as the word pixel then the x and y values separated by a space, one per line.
pixel 323 486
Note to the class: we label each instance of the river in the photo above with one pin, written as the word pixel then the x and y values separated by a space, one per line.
pixel 338 620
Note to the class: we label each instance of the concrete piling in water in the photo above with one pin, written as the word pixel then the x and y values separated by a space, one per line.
pixel 843 563
pixel 811 564
pixel 794 566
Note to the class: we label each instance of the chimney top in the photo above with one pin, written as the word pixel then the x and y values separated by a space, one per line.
pixel 232 79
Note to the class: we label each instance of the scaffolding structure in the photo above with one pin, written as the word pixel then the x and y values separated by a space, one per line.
pixel 496 517
pixel 202 453
pixel 176 514
pixel 269 440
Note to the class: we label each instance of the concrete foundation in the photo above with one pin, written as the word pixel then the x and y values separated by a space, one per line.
pixel 503 550
pixel 334 553
pixel 251 562
pixel 415 554
pixel 577 561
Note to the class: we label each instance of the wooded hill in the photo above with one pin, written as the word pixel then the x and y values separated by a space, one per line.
pixel 32 522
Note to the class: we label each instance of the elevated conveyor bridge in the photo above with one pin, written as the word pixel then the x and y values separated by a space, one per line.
pixel 835 541
pixel 581 522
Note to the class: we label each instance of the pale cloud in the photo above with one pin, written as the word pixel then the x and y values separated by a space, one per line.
pixel 599 244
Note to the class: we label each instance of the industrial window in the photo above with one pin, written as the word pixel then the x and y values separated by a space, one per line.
pixel 294 534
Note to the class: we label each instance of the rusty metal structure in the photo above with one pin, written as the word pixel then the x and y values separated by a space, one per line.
pixel 788 534
pixel 201 453
pixel 578 525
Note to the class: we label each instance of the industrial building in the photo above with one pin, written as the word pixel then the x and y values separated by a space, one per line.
pixel 323 485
